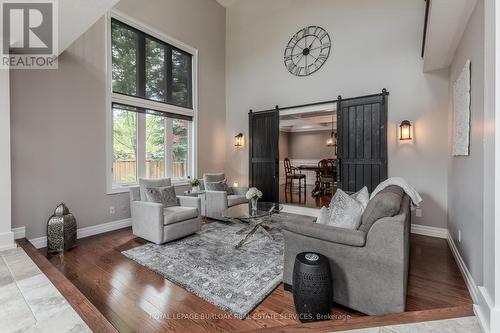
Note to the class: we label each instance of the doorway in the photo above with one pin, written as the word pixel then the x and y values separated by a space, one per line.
pixel 300 157
pixel 307 153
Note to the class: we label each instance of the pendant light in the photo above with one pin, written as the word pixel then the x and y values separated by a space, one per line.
pixel 332 140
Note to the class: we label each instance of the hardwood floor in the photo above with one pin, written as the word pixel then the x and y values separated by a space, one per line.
pixel 307 201
pixel 133 298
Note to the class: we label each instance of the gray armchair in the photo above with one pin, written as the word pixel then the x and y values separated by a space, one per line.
pixel 369 266
pixel 159 225
pixel 217 201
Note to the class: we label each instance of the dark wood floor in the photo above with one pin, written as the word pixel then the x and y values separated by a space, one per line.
pixel 134 298
pixel 306 201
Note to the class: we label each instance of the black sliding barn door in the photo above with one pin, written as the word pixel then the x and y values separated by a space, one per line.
pixel 362 142
pixel 264 153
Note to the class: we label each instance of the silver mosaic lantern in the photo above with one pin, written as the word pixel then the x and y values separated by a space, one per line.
pixel 61 230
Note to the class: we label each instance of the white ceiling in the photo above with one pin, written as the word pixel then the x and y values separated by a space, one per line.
pixel 76 16
pixel 446 25
pixel 311 121
pixel 226 3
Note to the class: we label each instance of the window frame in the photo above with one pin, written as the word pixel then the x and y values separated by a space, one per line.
pixel 144 103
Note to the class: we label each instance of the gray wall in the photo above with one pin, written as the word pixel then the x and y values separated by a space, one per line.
pixel 58 116
pixel 465 178
pixel 5 165
pixel 392 32
pixel 309 145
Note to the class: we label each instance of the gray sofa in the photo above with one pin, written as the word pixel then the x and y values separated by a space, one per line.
pixel 159 225
pixel 369 266
pixel 217 201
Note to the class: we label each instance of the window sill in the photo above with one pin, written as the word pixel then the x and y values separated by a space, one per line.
pixel 126 188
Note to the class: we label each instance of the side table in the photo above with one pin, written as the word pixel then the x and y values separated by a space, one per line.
pixel 312 287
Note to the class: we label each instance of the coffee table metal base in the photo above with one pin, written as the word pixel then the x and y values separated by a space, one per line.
pixel 255 225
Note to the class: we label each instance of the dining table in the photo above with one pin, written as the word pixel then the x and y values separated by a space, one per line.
pixel 316 168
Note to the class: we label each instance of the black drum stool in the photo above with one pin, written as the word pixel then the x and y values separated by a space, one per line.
pixel 312 287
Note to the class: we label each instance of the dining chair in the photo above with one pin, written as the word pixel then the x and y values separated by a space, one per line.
pixel 291 175
pixel 327 175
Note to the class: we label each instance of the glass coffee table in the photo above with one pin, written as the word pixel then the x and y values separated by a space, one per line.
pixel 254 219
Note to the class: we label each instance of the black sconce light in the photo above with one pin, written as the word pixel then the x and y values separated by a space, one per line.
pixel 405 130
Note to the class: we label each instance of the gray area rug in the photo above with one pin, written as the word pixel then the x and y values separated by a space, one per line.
pixel 208 265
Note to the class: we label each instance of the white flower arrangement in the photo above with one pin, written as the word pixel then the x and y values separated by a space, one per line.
pixel 253 193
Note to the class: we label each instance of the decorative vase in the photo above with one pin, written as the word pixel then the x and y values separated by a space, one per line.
pixel 61 230
pixel 254 203
pixel 195 188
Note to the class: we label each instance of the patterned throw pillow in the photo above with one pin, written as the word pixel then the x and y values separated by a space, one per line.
pixel 362 196
pixel 163 195
pixel 346 212
pixel 218 186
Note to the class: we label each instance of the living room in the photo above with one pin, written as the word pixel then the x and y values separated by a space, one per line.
pixel 197 97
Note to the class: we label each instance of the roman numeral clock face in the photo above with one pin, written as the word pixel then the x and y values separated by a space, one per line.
pixel 307 51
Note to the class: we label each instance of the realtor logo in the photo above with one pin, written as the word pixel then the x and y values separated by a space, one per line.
pixel 29 34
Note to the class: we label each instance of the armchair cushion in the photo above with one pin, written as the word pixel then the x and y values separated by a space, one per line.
pixel 149 183
pixel 233 200
pixel 178 214
pixel 327 233
pixel 239 190
pixel 214 177
pixel 163 195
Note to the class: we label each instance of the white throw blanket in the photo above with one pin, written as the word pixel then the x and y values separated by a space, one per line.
pixel 398 181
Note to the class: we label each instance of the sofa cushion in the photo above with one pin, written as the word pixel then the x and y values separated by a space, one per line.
pixel 345 211
pixel 164 195
pixel 324 216
pixel 150 183
pixel 233 200
pixel 177 214
pixel 386 203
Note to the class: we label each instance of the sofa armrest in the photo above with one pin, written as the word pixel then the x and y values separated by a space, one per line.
pixel 327 233
pixel 147 220
pixel 239 190
pixel 388 228
pixel 186 201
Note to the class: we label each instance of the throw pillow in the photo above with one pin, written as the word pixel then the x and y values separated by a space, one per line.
pixel 362 196
pixel 217 186
pixel 324 216
pixel 386 203
pixel 346 212
pixel 163 195
pixel 150 183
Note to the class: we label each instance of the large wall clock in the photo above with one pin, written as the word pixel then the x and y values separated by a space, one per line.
pixel 307 51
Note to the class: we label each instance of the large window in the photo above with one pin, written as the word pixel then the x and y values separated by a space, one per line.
pixel 151 107
pixel 146 67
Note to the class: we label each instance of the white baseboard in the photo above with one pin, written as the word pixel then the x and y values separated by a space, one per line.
pixel 429 231
pixel 19 232
pixel 469 280
pixel 41 242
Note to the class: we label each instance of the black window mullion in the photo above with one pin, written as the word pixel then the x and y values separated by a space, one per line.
pixel 141 65
pixel 168 74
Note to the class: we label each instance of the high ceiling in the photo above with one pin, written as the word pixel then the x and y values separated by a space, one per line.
pixel 226 3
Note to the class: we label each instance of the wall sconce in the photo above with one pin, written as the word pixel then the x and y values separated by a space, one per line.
pixel 235 184
pixel 238 140
pixel 405 130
